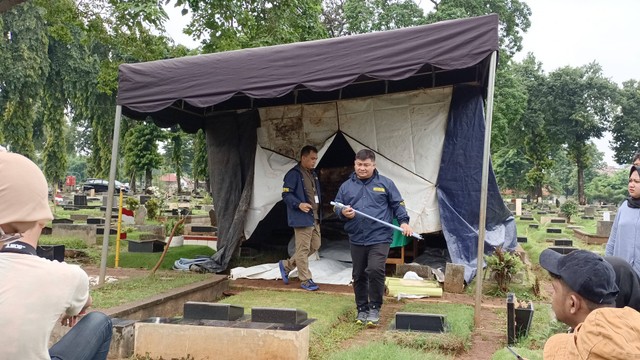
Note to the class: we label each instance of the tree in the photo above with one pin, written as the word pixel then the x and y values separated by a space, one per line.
pixel 347 17
pixel 23 53
pixel 141 150
pixel 513 14
pixel 579 105
pixel 607 188
pixel 200 165
pixel 527 133
pixel 238 24
pixel 625 125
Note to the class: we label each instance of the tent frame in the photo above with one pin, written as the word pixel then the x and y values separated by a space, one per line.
pixel 208 110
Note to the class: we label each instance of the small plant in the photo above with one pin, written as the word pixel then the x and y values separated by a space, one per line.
pixel 568 209
pixel 132 203
pixel 153 208
pixel 503 265
pixel 170 224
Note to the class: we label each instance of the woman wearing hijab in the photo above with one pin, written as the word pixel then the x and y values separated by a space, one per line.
pixel 624 240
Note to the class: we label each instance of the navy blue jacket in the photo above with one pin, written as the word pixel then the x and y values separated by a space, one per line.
pixel 293 193
pixel 378 197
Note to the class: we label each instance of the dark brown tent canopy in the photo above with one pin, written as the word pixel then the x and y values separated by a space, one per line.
pixel 190 89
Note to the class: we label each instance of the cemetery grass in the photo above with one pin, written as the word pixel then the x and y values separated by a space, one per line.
pixel 382 351
pixel 149 260
pixel 134 289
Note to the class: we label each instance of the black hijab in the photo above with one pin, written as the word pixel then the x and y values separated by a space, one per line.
pixel 633 203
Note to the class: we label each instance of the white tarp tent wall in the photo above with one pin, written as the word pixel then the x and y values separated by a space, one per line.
pixel 406 130
pixel 356 84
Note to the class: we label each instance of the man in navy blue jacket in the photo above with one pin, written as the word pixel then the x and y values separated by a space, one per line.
pixel 301 194
pixel 373 194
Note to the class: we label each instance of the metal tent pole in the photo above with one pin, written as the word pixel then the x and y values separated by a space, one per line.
pixel 483 187
pixel 112 182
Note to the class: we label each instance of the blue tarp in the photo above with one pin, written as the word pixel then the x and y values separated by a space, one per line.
pixel 459 185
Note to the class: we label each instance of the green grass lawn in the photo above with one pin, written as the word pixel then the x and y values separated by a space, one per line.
pixel 382 351
pixel 149 260
pixel 124 291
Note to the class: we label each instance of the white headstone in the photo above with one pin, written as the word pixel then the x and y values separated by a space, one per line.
pixel 139 215
pixel 606 216
pixel 518 207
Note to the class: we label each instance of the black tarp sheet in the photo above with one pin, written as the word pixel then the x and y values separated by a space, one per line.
pixel 459 185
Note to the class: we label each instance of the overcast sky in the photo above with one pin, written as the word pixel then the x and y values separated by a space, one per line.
pixel 563 32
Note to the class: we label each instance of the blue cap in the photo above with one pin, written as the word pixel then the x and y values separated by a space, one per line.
pixel 585 272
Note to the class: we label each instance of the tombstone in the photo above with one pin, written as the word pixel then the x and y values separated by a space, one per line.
pixel 95 221
pixel 62 221
pixel 518 207
pixel 454 278
pixel 585 217
pixel 212 311
pixel 212 217
pixel 140 215
pixel 589 211
pixel 80 200
pixel 51 252
pixel 562 242
pixel 278 315
pixel 534 226
pixel 420 322
pixel 606 216
pixel 564 250
pixel 526 218
pixel 147 246
pixel 558 221
pixel 522 239
pixel 604 228
pixel 143 199
pixel 511 320
pixel 116 201
pixel 554 231
pixel 79 217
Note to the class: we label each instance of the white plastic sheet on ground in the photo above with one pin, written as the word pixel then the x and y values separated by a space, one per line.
pixel 325 271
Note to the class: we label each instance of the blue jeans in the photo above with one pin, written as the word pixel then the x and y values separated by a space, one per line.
pixel 89 339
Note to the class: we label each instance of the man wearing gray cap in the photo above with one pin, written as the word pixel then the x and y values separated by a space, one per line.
pixel 584 296
pixel 35 293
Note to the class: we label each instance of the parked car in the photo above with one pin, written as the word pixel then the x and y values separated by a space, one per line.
pixel 100 185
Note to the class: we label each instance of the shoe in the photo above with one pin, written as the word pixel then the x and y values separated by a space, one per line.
pixel 283 273
pixel 373 317
pixel 313 283
pixel 361 319
pixel 309 285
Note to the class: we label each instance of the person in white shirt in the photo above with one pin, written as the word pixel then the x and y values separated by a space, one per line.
pixel 35 293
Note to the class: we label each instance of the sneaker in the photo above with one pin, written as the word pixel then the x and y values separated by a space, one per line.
pixel 373 317
pixel 283 273
pixel 313 283
pixel 361 319
pixel 309 285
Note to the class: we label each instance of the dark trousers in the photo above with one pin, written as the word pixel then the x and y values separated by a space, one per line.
pixel 368 274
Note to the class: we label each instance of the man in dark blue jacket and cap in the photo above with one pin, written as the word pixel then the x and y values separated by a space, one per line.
pixel 373 194
pixel 301 194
